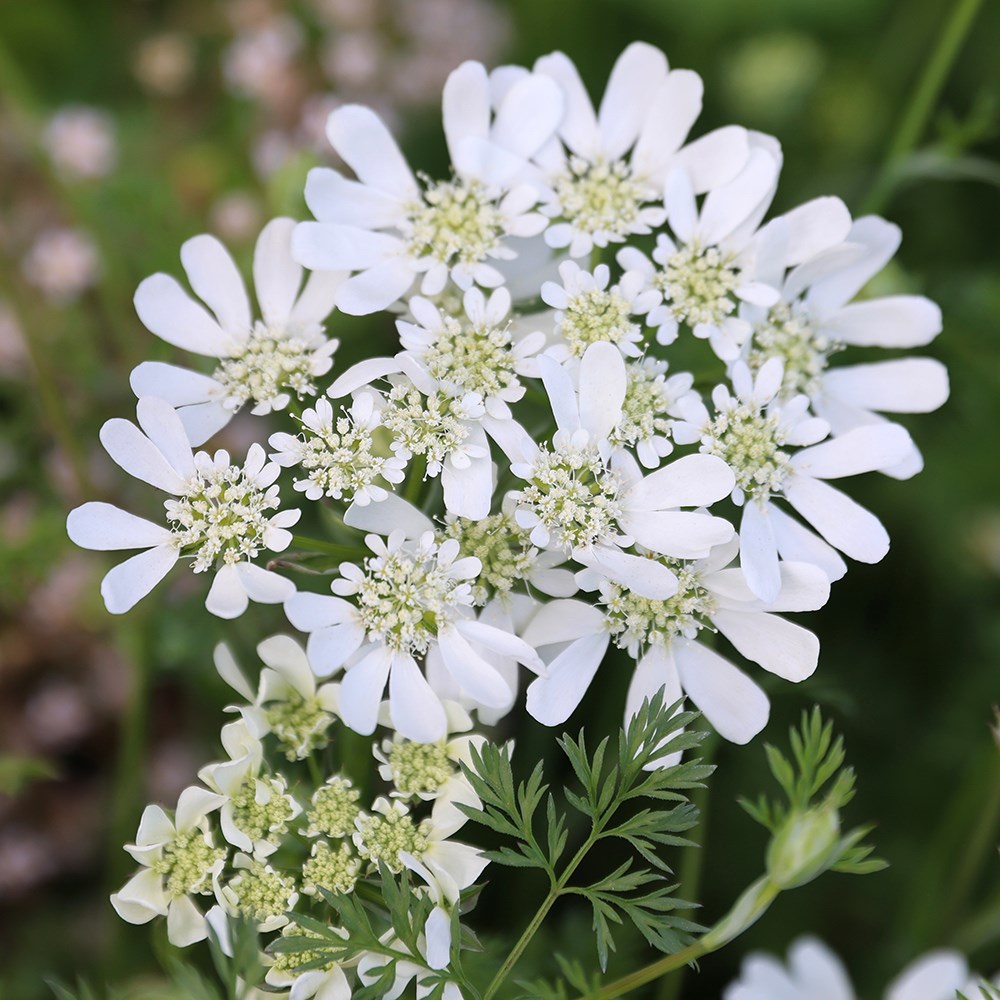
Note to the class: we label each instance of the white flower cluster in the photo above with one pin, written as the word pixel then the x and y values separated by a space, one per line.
pixel 272 829
pixel 569 483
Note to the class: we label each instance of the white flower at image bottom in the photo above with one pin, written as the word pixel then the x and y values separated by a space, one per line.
pixel 813 972
pixel 219 515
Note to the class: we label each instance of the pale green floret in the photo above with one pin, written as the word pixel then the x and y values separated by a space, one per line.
pixel 749 441
pixel 698 285
pixel 300 724
pixel 600 197
pixel 472 358
pixel 223 515
pixel 501 545
pixel 187 862
pixel 403 599
pixel 419 767
pixel 382 837
pixel 261 820
pixel 787 334
pixel 457 222
pixel 291 961
pixel 341 458
pixel 644 408
pixel 262 893
pixel 573 495
pixel 635 621
pixel 427 426
pixel 271 362
pixel 334 809
pixel 595 316
pixel 335 870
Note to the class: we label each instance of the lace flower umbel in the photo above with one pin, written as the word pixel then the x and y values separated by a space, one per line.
pixel 260 363
pixel 221 516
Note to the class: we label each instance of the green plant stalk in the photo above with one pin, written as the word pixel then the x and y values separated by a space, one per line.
pixel 692 860
pixel 751 905
pixel 923 102
pixel 327 548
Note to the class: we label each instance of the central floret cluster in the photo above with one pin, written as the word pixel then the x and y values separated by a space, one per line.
pixel 699 285
pixel 419 767
pixel 600 197
pixel 750 441
pixel 572 495
pixel 503 548
pixel 457 222
pixel 223 515
pixel 432 426
pixel 383 835
pixel 404 597
pixel 187 863
pixel 788 334
pixel 472 358
pixel 595 316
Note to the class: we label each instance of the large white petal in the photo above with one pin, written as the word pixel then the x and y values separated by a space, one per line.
pixel 501 640
pixel 730 205
pixel 203 420
pixel 634 82
pixel 311 612
pixel 185 923
pixel 656 671
pixel 891 321
pixel 938 975
pixel 845 524
pixel 168 311
pixel 264 585
pixel 376 288
pixel 682 534
pixel 780 646
pixel 178 386
pixel 417 712
pixel 216 280
pixel 129 582
pixel 437 933
pixel 227 597
pixel 477 678
pixel 318 297
pixel 734 705
pixel 864 449
pixel 468 492
pixel 465 105
pixel 714 158
pixel 145 890
pixel 579 124
pixel 331 197
pixel 103 527
pixel 643 576
pixel 562 395
pixel 563 621
pixel 193 804
pixel 229 671
pixel 161 424
pixel 603 384
pixel 361 690
pixel 819 971
pixel 155 827
pixel 759 551
pixel 389 515
pixel 139 457
pixel 276 276
pixel 552 699
pixel 903 385
pixel 529 115
pixel 810 229
pixel 797 543
pixel 328 246
pixel 674 109
pixel 330 648
pixel 691 481
pixel 367 147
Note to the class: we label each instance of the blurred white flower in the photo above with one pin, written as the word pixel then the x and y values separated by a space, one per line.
pixel 62 264
pixel 81 142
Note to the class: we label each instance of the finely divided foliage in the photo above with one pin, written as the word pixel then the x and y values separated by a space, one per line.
pixel 506 487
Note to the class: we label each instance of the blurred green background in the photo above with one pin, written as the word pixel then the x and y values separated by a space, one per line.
pixel 209 114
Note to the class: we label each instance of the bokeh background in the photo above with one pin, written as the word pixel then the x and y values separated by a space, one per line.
pixel 125 128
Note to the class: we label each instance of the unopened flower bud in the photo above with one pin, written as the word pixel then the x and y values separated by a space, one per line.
pixel 806 845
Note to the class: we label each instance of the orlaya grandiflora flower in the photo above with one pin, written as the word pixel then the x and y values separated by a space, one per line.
pixel 179 859
pixel 751 432
pixel 389 229
pixel 813 972
pixel 338 453
pixel 815 319
pixel 412 595
pixel 256 808
pixel 578 501
pixel 700 272
pixel 427 981
pixel 664 638
pixel 287 703
pixel 605 170
pixel 262 363
pixel 219 515
pixel 589 312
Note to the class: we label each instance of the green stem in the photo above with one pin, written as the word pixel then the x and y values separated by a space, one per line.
pixel 692 860
pixel 745 912
pixel 923 102
pixel 327 548
pixel 556 890
pixel 415 479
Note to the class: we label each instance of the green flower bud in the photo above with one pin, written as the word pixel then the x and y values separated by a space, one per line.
pixel 807 844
